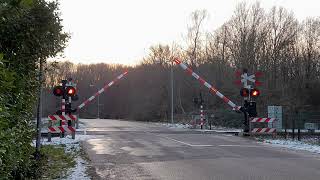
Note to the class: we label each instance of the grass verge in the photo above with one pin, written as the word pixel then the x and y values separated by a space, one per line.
pixel 55 162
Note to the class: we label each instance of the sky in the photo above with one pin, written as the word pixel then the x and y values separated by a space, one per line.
pixel 122 31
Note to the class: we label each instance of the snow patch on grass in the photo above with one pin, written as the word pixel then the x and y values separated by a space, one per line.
pixel 179 126
pixel 72 146
pixel 79 171
pixel 295 145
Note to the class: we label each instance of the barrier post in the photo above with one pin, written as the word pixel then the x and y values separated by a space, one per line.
pixel 49 133
pixel 263 130
pixel 77 122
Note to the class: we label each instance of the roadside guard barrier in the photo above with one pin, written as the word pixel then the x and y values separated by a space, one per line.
pixel 66 124
pixel 262 130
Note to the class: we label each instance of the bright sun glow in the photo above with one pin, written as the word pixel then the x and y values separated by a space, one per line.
pixel 122 31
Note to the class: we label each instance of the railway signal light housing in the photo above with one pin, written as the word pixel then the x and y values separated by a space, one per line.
pixel 254 92
pixel 244 92
pixel 65 91
pixel 58 91
pixel 70 91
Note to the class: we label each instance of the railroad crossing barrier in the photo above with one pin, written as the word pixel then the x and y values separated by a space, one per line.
pixel 86 102
pixel 262 130
pixel 63 127
pixel 212 89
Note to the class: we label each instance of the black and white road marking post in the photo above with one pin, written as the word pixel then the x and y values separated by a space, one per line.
pixel 201 116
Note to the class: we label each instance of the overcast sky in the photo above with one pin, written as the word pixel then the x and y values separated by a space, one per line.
pixel 121 31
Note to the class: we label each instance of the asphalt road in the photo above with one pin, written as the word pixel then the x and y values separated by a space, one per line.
pixel 130 150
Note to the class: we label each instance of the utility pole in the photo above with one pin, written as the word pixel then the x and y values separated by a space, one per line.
pixel 98 107
pixel 171 92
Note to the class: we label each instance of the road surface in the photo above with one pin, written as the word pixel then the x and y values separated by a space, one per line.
pixel 143 151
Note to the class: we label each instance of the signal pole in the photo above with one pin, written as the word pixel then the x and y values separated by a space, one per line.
pixel 98 107
pixel 248 93
pixel 63 103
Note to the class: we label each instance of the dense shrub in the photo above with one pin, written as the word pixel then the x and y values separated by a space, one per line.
pixel 30 31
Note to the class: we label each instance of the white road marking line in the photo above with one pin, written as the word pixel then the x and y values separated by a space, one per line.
pixel 237 145
pixel 203 145
pixel 191 145
pixel 177 141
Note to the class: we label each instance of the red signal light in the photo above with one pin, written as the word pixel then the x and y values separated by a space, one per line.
pixel 255 93
pixel 57 91
pixel 244 92
pixel 71 91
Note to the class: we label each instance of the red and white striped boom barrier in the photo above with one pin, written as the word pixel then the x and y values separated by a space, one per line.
pixel 212 89
pixel 102 90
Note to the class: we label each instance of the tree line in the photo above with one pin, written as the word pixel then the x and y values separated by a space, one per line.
pixel 270 41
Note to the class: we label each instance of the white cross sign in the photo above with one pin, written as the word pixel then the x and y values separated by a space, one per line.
pixel 245 78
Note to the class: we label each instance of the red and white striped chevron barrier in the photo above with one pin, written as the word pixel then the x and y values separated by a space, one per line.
pixel 62 117
pixel 206 84
pixel 264 130
pixel 263 119
pixel 102 90
pixel 59 129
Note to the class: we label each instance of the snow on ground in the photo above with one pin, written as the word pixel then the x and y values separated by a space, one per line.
pixel 79 171
pixel 179 126
pixel 214 128
pixel 221 130
pixel 72 146
pixel 295 145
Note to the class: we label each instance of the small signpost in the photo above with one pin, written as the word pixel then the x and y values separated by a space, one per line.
pixel 275 112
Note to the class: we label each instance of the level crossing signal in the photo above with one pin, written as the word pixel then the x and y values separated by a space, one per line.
pixel 71 91
pixel 244 92
pixel 64 91
pixel 58 91
pixel 254 92
pixel 68 92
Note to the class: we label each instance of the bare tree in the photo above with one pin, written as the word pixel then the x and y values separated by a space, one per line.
pixel 195 37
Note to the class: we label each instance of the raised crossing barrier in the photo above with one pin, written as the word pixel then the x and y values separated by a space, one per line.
pixel 102 90
pixel 212 89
